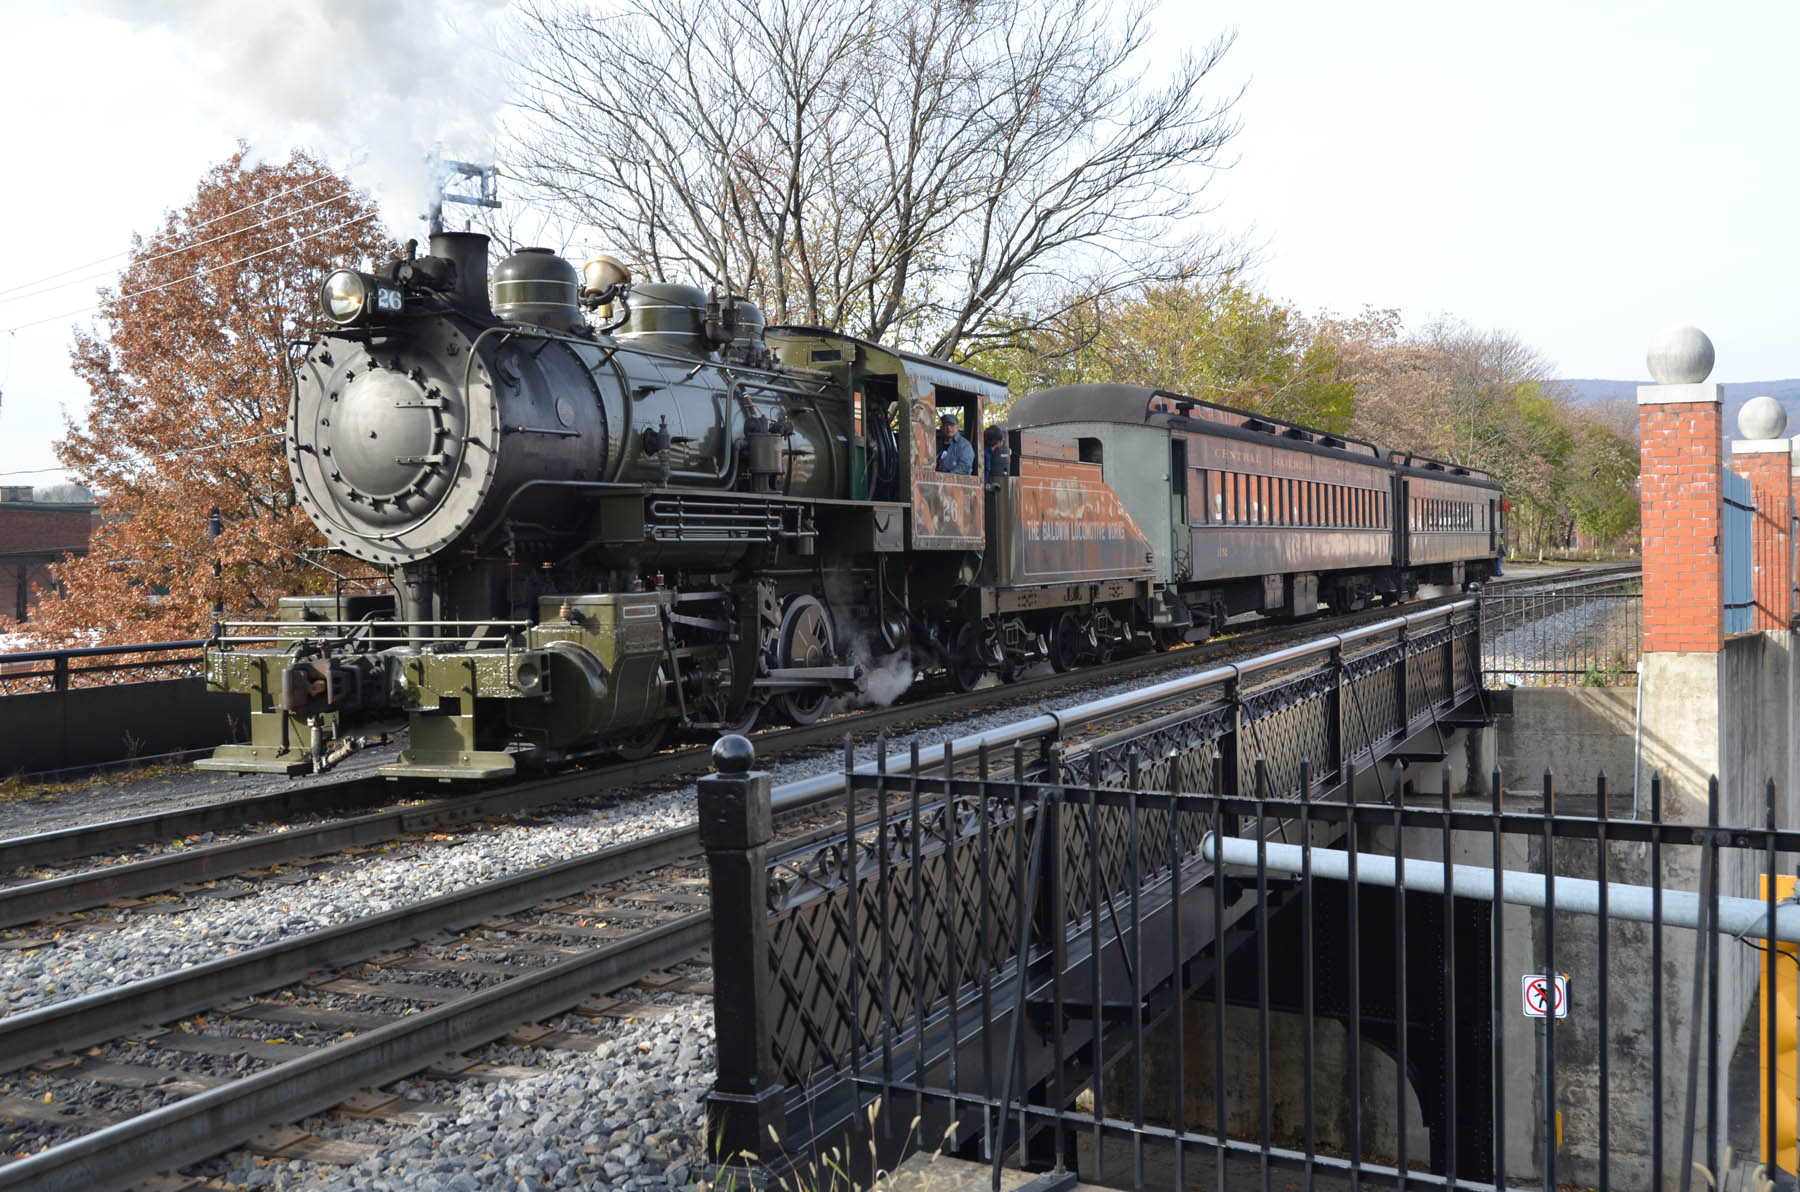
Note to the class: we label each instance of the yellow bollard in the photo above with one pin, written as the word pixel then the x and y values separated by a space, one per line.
pixel 1786 1044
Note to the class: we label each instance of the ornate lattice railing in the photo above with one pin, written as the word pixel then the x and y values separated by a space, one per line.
pixel 889 943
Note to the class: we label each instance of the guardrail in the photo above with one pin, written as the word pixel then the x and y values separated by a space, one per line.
pixel 59 670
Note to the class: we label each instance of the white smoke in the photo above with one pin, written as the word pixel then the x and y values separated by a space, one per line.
pixel 885 677
pixel 372 86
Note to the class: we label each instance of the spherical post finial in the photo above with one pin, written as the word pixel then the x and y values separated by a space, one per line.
pixel 1762 418
pixel 1680 355
pixel 733 753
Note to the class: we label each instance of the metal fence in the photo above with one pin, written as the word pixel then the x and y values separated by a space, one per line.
pixel 893 943
pixel 1155 988
pixel 94 666
pixel 1562 638
pixel 1739 515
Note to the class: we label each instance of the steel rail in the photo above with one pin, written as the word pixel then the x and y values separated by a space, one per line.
pixel 202 1125
pixel 52 848
pixel 87 840
pixel 28 902
pixel 37 1034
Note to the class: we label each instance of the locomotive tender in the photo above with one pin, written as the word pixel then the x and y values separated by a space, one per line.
pixel 680 518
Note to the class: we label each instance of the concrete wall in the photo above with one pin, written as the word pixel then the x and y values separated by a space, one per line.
pixel 1382 1108
pixel 1575 733
pixel 89 726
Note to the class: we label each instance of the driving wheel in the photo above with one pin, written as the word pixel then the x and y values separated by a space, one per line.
pixel 804 639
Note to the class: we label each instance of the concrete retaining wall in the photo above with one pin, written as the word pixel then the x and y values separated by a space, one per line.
pixel 90 726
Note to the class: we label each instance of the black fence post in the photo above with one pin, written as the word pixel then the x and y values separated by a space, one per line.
pixel 745 1112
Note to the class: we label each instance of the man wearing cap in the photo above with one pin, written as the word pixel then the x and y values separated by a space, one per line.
pixel 955 454
pixel 990 444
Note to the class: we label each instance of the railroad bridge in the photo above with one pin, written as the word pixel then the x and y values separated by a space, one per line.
pixel 1001 937
pixel 1461 899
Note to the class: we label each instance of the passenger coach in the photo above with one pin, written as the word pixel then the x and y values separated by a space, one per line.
pixel 1250 514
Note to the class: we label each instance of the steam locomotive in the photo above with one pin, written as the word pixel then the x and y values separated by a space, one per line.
pixel 611 509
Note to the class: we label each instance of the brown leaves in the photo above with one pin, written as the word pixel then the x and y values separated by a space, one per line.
pixel 186 363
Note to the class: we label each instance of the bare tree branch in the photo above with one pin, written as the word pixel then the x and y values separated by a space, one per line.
pixel 933 171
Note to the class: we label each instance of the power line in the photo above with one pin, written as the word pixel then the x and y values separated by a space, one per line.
pixel 175 251
pixel 180 453
pixel 196 274
pixel 197 227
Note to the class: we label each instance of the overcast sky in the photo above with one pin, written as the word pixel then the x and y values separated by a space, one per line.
pixel 1580 174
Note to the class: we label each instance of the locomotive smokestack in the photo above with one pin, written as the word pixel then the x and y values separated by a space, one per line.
pixel 469 250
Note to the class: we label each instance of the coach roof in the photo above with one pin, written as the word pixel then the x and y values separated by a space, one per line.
pixel 1140 405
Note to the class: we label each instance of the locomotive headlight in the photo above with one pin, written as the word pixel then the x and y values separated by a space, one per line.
pixel 344 296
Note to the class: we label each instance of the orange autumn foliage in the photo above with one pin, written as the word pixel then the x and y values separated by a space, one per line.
pixel 186 362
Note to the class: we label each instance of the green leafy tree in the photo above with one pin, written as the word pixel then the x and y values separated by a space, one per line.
pixel 1221 342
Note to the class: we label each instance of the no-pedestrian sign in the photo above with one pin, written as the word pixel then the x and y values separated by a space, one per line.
pixel 1542 998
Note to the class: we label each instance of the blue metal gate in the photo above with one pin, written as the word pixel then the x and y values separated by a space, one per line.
pixel 1739 508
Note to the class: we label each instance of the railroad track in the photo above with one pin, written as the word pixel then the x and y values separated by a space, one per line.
pixel 542 944
pixel 366 1003
pixel 52 901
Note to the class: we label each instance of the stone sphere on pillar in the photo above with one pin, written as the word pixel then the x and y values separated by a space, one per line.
pixel 1762 418
pixel 1680 356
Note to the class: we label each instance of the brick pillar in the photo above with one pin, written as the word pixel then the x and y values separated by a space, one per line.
pixel 1681 430
pixel 1793 529
pixel 1767 464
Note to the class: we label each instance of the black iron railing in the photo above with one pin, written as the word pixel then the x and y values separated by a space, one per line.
pixel 1052 976
pixel 895 946
pixel 1562 638
pixel 85 666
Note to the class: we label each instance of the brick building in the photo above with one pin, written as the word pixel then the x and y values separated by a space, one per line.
pixel 33 535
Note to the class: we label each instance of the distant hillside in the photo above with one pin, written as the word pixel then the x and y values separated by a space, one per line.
pixel 1591 391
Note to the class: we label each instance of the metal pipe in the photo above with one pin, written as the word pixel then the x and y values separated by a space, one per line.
pixel 1742 917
